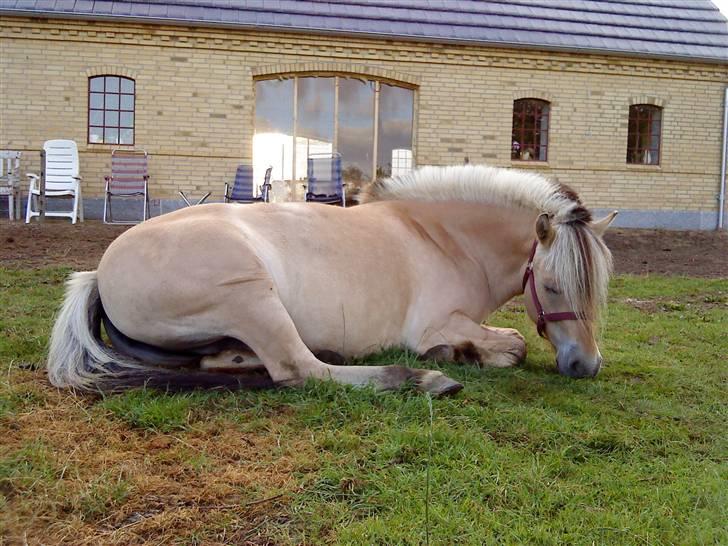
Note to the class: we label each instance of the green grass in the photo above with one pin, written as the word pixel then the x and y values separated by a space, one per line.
pixel 636 456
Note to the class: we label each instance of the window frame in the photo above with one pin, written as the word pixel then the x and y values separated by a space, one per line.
pixel 522 127
pixel 638 150
pixel 104 110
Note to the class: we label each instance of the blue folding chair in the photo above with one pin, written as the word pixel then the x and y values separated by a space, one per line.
pixel 324 180
pixel 243 187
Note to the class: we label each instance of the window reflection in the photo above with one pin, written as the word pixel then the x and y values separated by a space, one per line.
pixel 273 141
pixel 396 112
pixel 356 130
pixel 315 116
pixel 332 114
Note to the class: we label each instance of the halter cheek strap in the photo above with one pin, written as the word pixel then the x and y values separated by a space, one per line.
pixel 543 317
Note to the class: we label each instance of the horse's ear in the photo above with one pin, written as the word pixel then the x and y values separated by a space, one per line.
pixel 544 229
pixel 600 226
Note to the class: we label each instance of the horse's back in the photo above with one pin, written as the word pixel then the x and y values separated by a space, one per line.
pixel 331 268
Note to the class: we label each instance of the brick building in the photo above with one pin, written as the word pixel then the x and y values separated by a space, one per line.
pixel 622 99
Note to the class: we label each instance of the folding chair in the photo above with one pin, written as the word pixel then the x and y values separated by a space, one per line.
pixel 59 163
pixel 129 179
pixel 243 190
pixel 324 180
pixel 10 181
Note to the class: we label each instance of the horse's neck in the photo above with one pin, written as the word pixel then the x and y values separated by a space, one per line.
pixel 498 239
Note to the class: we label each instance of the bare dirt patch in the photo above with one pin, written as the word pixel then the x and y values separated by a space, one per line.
pixel 651 251
pixel 637 251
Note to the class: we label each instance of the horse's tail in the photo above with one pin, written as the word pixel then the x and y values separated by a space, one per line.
pixel 79 359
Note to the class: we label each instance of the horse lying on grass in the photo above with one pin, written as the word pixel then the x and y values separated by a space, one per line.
pixel 208 296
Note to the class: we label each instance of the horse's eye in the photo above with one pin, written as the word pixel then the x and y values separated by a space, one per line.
pixel 551 289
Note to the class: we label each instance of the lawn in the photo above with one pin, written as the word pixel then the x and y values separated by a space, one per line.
pixel 636 456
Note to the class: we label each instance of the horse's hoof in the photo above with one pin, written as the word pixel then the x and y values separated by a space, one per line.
pixel 441 385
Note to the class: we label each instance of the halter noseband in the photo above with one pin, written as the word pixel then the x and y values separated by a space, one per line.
pixel 543 317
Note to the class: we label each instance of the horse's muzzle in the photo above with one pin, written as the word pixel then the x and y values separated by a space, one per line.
pixel 572 363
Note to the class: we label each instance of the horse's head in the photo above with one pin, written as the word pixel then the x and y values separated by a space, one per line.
pixel 565 287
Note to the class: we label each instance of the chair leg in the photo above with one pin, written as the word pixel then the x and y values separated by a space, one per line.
pixel 74 211
pixel 80 203
pixel 28 207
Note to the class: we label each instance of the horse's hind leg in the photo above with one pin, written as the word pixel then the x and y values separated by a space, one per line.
pixel 463 340
pixel 272 335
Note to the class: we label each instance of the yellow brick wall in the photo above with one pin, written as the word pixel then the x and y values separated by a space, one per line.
pixel 195 104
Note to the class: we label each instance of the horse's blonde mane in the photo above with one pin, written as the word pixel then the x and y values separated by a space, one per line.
pixel 577 256
pixel 476 183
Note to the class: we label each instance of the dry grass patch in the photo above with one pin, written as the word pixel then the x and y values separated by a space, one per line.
pixel 75 473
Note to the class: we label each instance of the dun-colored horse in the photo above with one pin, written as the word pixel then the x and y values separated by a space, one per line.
pixel 210 295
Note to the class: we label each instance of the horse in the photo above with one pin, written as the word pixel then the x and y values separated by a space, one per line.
pixel 227 296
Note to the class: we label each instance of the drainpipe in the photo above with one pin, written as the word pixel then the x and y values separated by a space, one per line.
pixel 721 199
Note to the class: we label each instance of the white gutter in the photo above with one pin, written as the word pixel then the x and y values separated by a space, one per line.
pixel 721 199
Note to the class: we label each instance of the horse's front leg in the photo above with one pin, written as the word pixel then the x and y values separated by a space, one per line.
pixel 463 340
pixel 270 332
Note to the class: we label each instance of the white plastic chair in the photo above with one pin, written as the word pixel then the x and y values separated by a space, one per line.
pixel 60 167
pixel 10 181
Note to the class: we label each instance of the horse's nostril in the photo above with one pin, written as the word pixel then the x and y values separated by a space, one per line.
pixel 577 370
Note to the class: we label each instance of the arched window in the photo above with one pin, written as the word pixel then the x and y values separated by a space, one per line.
pixel 111 110
pixel 530 136
pixel 643 135
pixel 367 121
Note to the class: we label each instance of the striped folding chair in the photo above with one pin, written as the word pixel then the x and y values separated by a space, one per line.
pixel 243 188
pixel 129 179
pixel 324 180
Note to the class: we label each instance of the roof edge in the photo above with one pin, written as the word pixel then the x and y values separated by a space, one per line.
pixel 360 34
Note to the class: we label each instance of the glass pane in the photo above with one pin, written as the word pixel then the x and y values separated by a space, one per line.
pixel 356 130
pixel 127 102
pixel 127 136
pixel 273 140
pixel 396 114
pixel 97 84
pixel 315 131
pixel 112 118
pixel 96 100
pixel 95 134
pixel 96 117
pixel 127 119
pixel 127 85
pixel 111 136
pixel 112 84
pixel 112 102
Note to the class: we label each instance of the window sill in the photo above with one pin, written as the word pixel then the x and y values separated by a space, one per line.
pixel 643 167
pixel 530 164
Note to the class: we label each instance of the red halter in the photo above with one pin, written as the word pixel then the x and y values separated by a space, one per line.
pixel 543 317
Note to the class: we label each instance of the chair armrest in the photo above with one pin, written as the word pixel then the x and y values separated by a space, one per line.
pixel 108 178
pixel 33 176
